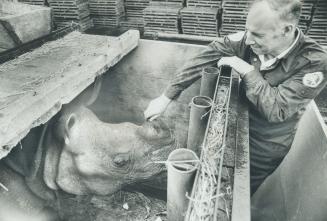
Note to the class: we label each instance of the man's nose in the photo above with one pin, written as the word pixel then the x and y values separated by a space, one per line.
pixel 249 39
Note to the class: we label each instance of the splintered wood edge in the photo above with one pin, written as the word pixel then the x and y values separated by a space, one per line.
pixel 54 100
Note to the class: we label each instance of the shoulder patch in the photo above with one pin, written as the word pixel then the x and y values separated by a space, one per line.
pixel 313 79
pixel 236 36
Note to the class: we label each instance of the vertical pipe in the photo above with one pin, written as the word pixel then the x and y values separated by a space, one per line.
pixel 200 107
pixel 209 81
pixel 180 181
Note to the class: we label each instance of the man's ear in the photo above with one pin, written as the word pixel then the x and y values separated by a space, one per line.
pixel 288 29
pixel 69 125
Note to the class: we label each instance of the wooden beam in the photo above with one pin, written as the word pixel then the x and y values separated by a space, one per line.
pixel 34 86
pixel 241 195
pixel 31 45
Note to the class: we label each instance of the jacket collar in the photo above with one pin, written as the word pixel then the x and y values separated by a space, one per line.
pixel 287 58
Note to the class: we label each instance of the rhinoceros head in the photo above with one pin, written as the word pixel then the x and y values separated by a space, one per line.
pixel 86 155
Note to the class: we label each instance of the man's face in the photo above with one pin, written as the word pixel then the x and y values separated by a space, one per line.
pixel 264 30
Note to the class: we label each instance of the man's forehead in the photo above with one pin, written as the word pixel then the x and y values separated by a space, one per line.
pixel 261 17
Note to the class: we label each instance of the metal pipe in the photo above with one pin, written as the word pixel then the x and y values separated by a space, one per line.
pixel 180 179
pixel 209 81
pixel 199 114
pixel 183 37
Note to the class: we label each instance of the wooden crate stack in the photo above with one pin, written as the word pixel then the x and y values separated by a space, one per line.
pixel 107 13
pixel 200 21
pixel 134 13
pixel 167 3
pixel 234 16
pixel 132 23
pixel 134 8
pixel 306 12
pixel 162 16
pixel 67 11
pixel 33 2
pixel 204 3
pixel 318 27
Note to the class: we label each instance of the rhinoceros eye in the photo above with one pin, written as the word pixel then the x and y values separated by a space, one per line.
pixel 121 160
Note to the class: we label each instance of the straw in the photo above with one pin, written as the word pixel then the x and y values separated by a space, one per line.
pixel 205 193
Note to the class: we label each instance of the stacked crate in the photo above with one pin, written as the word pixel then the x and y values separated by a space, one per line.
pixel 306 12
pixel 106 13
pixel 132 23
pixel 167 3
pixel 134 8
pixel 67 11
pixel 318 27
pixel 200 17
pixel 33 2
pixel 162 16
pixel 134 13
pixel 234 16
pixel 200 21
pixel 204 3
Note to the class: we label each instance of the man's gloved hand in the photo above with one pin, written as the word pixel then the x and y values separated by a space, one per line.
pixel 237 64
pixel 156 107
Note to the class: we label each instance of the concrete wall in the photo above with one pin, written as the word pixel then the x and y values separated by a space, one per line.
pixel 297 190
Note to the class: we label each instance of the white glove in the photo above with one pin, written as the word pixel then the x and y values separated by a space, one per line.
pixel 237 64
pixel 156 107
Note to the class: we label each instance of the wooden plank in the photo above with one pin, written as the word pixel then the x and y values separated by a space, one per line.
pixel 35 85
pixel 15 52
pixel 15 23
pixel 241 194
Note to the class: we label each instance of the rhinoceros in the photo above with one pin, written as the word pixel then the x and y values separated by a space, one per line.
pixel 80 154
pixel 83 155
pixel 87 156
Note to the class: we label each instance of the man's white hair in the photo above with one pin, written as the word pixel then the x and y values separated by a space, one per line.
pixel 287 10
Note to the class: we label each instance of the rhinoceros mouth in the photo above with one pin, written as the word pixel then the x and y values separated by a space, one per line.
pixel 150 166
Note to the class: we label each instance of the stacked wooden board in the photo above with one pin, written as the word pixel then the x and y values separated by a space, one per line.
pixel 200 21
pixel 67 11
pixel 318 27
pixel 234 16
pixel 164 3
pixel 33 2
pixel 132 23
pixel 162 18
pixel 107 13
pixel 134 13
pixel 306 12
pixel 204 3
pixel 134 8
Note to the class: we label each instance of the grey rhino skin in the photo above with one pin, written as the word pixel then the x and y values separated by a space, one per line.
pixel 78 153
pixel 81 155
pixel 87 156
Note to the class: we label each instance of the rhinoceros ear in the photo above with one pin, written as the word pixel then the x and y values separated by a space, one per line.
pixel 69 125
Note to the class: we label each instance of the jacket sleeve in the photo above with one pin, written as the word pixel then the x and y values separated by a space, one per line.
pixel 191 71
pixel 279 103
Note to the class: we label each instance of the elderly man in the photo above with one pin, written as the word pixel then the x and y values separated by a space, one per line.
pixel 281 70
